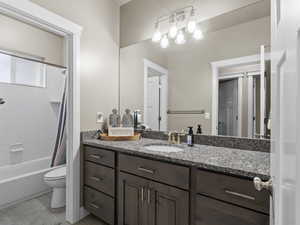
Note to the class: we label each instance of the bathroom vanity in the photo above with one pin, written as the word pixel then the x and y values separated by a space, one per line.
pixel 124 183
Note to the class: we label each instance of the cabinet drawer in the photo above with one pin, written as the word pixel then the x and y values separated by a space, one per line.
pixel 231 189
pixel 164 172
pixel 100 205
pixel 213 212
pixel 100 177
pixel 99 155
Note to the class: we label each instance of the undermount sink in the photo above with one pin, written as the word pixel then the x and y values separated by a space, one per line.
pixel 163 148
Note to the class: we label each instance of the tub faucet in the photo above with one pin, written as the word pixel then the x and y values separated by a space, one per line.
pixel 2 101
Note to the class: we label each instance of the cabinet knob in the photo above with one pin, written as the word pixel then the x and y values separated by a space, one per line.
pixel 263 185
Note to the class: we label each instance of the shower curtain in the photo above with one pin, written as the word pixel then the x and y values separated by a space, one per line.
pixel 60 149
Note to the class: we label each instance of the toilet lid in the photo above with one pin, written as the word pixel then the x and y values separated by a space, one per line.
pixel 57 173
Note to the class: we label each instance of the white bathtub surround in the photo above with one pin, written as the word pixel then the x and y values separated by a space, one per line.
pixel 23 181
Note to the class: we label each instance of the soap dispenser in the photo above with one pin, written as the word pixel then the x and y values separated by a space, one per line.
pixel 190 137
pixel 199 130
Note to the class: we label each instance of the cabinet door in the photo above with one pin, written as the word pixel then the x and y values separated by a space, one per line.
pixel 133 207
pixel 168 205
pixel 213 212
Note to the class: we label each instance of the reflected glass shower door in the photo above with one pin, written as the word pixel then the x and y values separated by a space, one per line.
pixel 228 107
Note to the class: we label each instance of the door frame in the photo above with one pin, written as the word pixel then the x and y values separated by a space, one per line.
pixel 164 93
pixel 216 66
pixel 28 12
pixel 251 106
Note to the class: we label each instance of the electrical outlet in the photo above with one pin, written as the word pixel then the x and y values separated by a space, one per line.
pixel 99 117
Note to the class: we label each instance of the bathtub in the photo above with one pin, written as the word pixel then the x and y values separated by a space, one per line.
pixel 23 181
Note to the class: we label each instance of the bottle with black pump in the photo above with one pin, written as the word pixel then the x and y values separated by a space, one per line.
pixel 199 130
pixel 190 137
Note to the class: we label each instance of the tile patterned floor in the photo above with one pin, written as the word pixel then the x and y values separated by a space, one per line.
pixel 37 212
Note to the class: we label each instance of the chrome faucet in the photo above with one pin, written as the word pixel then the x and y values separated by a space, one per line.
pixel 172 135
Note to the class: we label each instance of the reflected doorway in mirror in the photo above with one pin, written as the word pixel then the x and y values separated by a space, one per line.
pixel 155 96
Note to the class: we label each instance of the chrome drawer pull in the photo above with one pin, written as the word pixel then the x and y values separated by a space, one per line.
pixel 94 206
pixel 240 195
pixel 96 156
pixel 142 194
pixel 96 179
pixel 146 170
pixel 149 196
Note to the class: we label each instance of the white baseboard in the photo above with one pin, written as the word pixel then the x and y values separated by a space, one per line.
pixel 83 213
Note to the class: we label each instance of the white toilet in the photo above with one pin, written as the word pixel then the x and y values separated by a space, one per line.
pixel 56 179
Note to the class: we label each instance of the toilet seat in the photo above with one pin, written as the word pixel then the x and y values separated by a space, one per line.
pixel 56 174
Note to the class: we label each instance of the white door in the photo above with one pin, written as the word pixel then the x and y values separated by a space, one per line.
pixel 285 160
pixel 153 103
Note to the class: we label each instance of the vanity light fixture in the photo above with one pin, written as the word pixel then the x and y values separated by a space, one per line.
pixel 157 34
pixel 164 43
pixel 180 22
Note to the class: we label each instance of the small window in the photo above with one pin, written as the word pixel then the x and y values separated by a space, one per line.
pixel 5 68
pixel 14 70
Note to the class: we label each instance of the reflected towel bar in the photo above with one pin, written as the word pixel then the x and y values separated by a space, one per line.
pixel 186 111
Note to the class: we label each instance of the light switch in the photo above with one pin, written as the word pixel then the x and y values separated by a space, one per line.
pixel 207 115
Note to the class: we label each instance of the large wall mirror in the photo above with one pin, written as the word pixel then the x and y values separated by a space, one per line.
pixel 220 81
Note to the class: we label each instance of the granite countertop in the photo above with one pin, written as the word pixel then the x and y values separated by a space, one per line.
pixel 243 163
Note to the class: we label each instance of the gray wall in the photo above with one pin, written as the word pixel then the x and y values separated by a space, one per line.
pixel 190 75
pixel 99 53
pixel 190 79
pixel 132 72
pixel 21 37
pixel 138 16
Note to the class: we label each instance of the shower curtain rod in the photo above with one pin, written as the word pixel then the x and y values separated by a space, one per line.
pixel 30 59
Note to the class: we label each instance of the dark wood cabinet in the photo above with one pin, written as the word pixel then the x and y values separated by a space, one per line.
pixel 100 204
pixel 214 212
pixel 168 205
pixel 101 156
pixel 163 172
pixel 100 178
pixel 233 190
pixel 133 207
pixel 131 190
pixel 145 202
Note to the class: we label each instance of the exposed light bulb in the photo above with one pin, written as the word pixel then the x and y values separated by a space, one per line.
pixel 198 35
pixel 164 43
pixel 156 36
pixel 173 31
pixel 180 39
pixel 191 27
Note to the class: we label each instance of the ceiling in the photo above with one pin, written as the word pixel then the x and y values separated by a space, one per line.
pixel 123 2
pixel 138 17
